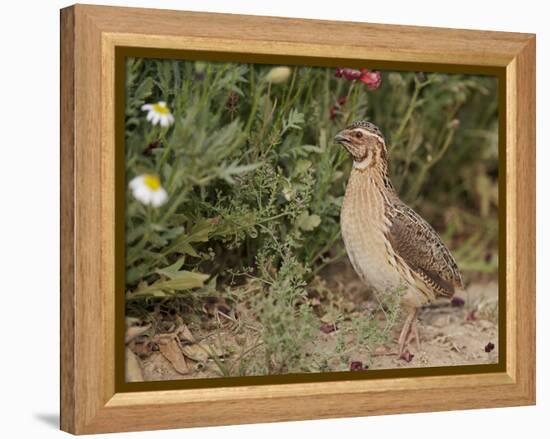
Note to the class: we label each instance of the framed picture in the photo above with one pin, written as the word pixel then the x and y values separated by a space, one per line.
pixel 273 219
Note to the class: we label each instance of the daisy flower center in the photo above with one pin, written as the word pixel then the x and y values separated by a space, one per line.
pixel 161 108
pixel 152 182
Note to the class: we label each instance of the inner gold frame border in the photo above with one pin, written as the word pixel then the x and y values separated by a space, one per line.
pixel 94 42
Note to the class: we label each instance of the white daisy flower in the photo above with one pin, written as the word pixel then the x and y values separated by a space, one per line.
pixel 147 189
pixel 158 113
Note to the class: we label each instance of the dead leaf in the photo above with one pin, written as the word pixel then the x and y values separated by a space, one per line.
pixel 133 367
pixel 185 334
pixel 170 349
pixel 143 348
pixel 195 353
pixel 135 331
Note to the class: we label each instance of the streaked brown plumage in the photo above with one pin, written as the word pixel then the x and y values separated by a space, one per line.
pixel 389 245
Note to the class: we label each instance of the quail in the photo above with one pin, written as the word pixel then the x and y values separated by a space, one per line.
pixel 391 248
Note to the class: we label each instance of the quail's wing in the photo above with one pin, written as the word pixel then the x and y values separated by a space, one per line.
pixel 419 245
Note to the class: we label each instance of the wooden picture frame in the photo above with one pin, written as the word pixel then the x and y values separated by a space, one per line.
pixel 91 402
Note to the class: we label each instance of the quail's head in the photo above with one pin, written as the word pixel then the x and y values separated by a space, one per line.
pixel 364 141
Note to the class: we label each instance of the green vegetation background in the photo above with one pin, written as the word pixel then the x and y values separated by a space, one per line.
pixel 255 184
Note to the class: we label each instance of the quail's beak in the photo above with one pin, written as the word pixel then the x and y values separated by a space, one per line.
pixel 341 138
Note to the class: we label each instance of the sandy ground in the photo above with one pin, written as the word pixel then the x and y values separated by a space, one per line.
pixel 459 334
pixel 451 335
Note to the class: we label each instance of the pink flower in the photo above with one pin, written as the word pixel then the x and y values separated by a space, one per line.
pixel 457 302
pixel 407 356
pixel 373 79
pixel 334 109
pixel 357 366
pixel 327 328
pixel 349 74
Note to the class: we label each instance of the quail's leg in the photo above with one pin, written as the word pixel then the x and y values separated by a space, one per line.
pixel 407 329
pixel 413 333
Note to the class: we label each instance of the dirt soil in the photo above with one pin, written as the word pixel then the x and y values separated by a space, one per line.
pixel 454 335
pixel 462 332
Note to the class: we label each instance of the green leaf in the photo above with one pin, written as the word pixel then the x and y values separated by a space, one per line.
pixel 144 89
pixel 188 249
pixel 172 270
pixel 134 274
pixel 308 222
pixel 182 280
pixel 233 169
pixel 294 121
pixel 173 232
pixel 312 148
pixel 201 231
pixel 302 166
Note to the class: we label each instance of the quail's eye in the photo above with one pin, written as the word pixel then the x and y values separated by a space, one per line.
pixel 358 134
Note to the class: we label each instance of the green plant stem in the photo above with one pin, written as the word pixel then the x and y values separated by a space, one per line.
pixel 396 138
pixel 420 180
